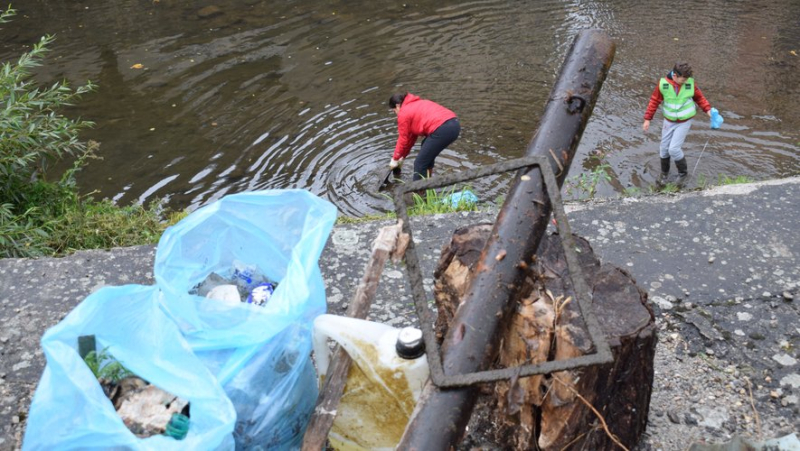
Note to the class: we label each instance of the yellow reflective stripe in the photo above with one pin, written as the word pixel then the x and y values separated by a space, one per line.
pixel 686 113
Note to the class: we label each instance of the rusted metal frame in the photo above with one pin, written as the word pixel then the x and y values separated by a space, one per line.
pixel 471 343
pixel 583 297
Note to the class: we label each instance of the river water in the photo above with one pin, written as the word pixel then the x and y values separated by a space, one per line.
pixel 198 99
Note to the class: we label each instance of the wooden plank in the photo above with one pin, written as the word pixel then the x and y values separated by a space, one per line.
pixel 390 243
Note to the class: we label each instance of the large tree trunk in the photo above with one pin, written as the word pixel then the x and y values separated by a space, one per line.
pixel 552 411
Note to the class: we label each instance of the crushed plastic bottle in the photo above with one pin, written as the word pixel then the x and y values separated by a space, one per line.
pixel 275 394
pixel 243 277
pixel 245 283
pixel 261 294
pixel 383 386
pixel 247 278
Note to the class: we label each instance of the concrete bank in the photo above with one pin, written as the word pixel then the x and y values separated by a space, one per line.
pixel 721 267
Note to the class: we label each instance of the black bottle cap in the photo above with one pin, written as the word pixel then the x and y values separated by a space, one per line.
pixel 410 345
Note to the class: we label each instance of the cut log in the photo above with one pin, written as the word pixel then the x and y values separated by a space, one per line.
pixel 597 407
pixel 452 271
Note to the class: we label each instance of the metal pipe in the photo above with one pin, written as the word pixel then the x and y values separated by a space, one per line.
pixel 472 339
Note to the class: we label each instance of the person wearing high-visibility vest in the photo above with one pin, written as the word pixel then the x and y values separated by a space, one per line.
pixel 677 93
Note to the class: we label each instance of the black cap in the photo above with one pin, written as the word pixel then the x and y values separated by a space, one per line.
pixel 409 343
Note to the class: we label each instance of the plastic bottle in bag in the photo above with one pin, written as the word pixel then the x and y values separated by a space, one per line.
pixel 383 385
pixel 274 392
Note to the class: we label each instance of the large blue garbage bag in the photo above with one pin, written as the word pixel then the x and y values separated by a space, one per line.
pixel 70 410
pixel 260 353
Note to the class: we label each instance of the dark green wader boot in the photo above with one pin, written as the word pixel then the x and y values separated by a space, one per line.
pixel 662 179
pixel 683 171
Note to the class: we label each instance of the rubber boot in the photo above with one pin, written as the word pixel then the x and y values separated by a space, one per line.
pixel 683 171
pixel 662 179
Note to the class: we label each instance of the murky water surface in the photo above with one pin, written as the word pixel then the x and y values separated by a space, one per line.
pixel 243 95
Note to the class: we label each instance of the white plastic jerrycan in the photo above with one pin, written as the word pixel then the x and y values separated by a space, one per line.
pixel 385 380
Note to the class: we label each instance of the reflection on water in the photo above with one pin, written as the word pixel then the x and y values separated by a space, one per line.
pixel 238 95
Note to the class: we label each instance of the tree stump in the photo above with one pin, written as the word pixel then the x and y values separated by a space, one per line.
pixel 553 411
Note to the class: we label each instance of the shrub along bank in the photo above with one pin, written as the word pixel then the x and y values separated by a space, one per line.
pixel 42 217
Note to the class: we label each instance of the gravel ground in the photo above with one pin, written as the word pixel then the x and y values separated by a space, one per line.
pixel 701 397
pixel 711 390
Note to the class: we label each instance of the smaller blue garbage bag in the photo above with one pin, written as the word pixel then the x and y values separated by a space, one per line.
pixel 70 410
pixel 281 233
pixel 716 118
pixel 259 353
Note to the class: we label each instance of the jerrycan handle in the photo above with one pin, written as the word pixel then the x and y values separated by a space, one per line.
pixel 346 332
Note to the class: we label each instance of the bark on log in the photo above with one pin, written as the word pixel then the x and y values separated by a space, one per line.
pixel 552 411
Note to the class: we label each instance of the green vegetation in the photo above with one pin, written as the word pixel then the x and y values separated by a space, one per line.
pixel 434 202
pixel 430 203
pixel 105 366
pixel 584 186
pixel 702 181
pixel 670 187
pixel 737 180
pixel 632 192
pixel 43 217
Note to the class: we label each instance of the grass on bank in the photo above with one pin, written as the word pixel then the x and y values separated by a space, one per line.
pixel 54 220
pixel 432 202
pixel 581 188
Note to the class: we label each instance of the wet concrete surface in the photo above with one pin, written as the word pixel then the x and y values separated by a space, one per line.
pixel 720 266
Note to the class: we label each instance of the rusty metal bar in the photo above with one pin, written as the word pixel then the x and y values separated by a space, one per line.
pixel 602 354
pixel 471 342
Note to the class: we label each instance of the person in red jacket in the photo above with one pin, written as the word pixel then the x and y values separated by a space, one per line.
pixel 419 117
pixel 679 94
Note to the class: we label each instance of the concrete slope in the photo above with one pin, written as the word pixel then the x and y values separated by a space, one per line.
pixel 720 265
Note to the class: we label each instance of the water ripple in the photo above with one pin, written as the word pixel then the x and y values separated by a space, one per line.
pixel 261 95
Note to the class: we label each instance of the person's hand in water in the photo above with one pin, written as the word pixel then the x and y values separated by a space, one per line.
pixel 394 164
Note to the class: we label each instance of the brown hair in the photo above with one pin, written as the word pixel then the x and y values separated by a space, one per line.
pixel 682 69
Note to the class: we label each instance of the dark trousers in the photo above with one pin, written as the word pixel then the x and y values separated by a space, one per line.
pixel 433 145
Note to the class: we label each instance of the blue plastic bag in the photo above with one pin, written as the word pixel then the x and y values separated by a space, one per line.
pixel 282 234
pixel 69 409
pixel 716 118
pixel 465 198
pixel 275 393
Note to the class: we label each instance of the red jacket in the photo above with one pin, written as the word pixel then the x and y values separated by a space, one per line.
pixel 417 117
pixel 656 98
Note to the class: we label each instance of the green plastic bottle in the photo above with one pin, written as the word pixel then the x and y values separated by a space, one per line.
pixel 178 426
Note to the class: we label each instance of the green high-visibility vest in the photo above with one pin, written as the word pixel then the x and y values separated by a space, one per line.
pixel 680 106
